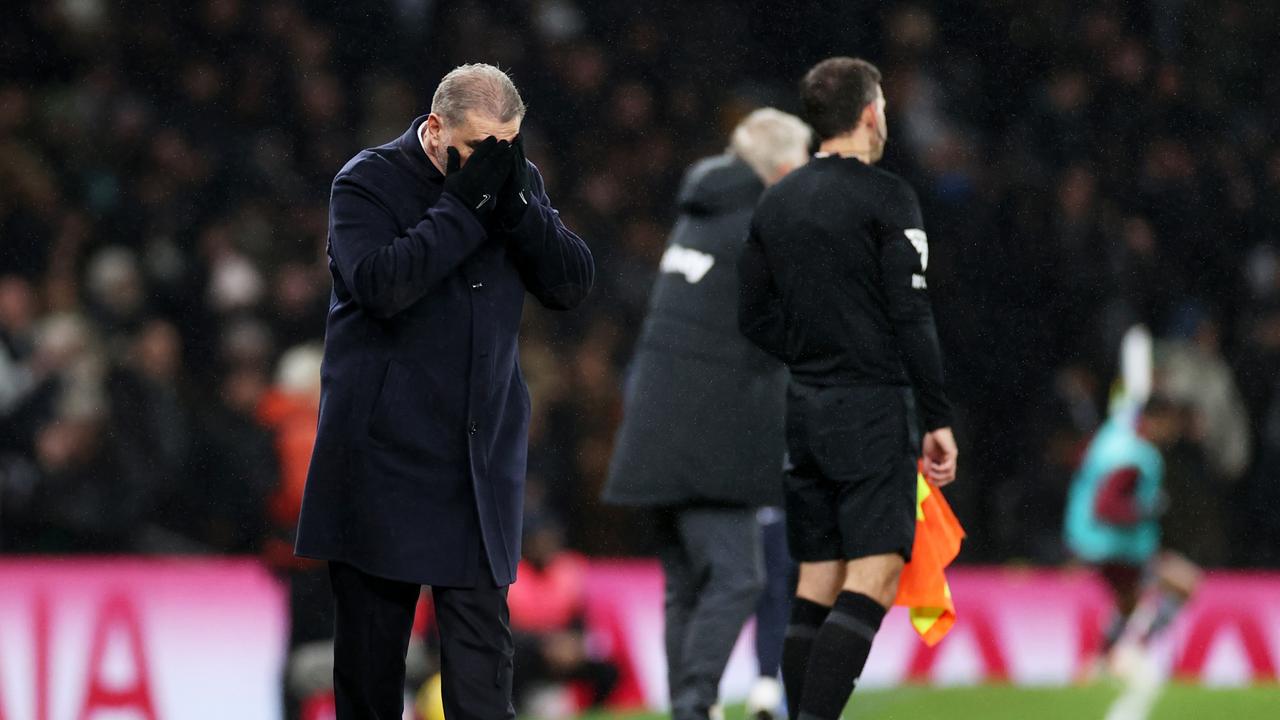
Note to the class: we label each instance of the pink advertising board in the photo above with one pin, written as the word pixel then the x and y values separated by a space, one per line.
pixel 146 639
pixel 1028 627
pixel 189 639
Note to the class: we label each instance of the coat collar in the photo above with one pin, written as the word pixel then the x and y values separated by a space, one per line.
pixel 411 148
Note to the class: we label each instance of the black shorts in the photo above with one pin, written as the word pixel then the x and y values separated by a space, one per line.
pixel 851 472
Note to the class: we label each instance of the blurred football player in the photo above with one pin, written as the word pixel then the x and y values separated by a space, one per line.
pixel 1112 519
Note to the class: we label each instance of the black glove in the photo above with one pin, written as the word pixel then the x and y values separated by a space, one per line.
pixel 478 183
pixel 517 194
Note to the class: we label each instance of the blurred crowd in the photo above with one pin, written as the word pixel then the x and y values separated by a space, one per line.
pixel 163 284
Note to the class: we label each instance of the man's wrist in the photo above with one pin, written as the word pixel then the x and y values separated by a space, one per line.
pixel 510 218
pixel 451 198
pixel 939 421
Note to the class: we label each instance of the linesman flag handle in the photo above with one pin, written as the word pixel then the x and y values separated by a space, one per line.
pixel 923 588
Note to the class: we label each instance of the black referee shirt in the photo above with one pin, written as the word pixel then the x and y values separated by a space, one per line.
pixel 833 282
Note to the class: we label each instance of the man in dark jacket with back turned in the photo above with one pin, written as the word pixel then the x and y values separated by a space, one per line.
pixel 701 441
pixel 418 472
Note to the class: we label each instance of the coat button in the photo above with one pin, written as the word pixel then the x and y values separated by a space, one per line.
pixel 474 428
pixel 477 285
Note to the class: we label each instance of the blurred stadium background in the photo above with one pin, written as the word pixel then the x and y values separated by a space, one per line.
pixel 164 170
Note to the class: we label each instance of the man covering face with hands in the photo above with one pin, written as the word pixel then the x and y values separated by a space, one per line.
pixel 417 477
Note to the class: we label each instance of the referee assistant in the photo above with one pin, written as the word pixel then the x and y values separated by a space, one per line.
pixel 833 284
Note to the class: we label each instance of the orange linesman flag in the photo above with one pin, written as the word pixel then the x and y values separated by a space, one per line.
pixel 923 588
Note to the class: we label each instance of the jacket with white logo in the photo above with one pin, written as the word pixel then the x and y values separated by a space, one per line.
pixel 704 407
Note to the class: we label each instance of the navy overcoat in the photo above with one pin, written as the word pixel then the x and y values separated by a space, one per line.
pixel 419 463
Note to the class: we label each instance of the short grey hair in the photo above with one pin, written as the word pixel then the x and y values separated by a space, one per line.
pixel 769 140
pixel 480 88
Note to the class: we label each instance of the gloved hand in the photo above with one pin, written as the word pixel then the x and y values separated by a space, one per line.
pixel 478 183
pixel 517 194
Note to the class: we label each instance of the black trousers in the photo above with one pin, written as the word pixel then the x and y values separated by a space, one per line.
pixel 373 620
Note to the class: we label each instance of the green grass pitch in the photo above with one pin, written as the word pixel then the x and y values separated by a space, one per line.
pixel 996 702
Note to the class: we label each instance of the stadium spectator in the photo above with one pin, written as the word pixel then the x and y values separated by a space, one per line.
pixel 221 506
pixel 18 378
pixel 153 426
pixel 548 620
pixel 290 409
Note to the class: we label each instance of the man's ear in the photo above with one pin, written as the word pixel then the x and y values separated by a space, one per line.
pixel 433 126
pixel 869 116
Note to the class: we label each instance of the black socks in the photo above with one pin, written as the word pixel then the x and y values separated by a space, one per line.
pixel 806 618
pixel 838 653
